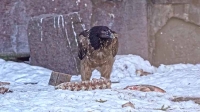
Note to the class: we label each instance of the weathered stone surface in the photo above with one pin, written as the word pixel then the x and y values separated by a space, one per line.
pixel 53 44
pixel 38 8
pixel 49 41
pixel 53 32
pixel 177 42
pixel 159 17
pixel 138 23
pixel 171 1
pixel 13 24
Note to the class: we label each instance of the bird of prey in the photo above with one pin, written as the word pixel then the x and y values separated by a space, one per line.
pixel 97 50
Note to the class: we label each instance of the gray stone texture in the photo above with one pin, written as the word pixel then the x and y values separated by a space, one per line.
pixel 13 25
pixel 49 28
pixel 53 33
pixel 177 42
pixel 179 23
pixel 171 1
pixel 129 19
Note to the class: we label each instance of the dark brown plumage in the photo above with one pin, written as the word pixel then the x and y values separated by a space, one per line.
pixel 97 49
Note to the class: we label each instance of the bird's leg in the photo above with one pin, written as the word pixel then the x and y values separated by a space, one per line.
pixel 106 69
pixel 86 72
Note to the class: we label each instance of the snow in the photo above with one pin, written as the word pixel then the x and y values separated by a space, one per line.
pixel 177 80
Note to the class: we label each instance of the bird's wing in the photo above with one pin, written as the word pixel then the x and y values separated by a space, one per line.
pixel 115 46
pixel 83 44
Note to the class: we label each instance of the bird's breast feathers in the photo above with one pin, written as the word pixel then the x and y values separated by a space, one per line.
pixel 99 56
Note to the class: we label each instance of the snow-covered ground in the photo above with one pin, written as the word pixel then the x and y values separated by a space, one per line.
pixel 177 80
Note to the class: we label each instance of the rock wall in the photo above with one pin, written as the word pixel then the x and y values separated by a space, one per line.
pixel 53 30
pixel 173 27
pixel 53 33
pixel 162 31
pixel 13 26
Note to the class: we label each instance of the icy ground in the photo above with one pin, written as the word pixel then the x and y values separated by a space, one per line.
pixel 177 80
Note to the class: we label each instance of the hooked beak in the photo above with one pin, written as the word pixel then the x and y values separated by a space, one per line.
pixel 115 35
pixel 107 34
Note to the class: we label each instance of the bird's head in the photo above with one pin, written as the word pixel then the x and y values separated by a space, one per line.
pixel 105 32
pixel 102 32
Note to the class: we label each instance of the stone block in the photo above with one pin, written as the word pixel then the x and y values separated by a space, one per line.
pixel 58 78
pixel 13 24
pixel 53 42
pixel 177 42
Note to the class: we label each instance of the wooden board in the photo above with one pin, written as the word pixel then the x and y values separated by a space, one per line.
pixel 58 78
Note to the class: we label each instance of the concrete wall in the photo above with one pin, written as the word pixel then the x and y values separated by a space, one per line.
pixel 162 31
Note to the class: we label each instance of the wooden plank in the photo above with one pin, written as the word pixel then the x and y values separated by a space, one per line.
pixel 58 78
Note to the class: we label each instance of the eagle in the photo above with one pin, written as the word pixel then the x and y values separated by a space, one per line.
pixel 97 49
